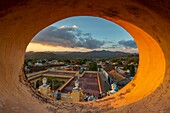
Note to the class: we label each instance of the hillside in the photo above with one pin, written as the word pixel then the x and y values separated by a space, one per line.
pixel 39 55
pixel 72 55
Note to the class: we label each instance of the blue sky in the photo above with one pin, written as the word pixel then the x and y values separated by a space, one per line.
pixel 84 33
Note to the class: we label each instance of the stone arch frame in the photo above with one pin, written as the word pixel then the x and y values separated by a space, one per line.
pixel 21 20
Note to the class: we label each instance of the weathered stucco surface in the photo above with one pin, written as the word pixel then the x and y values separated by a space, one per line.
pixel 148 21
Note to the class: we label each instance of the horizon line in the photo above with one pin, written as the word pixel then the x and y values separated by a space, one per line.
pixel 81 51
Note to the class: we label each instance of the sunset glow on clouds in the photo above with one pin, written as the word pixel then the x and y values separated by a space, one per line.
pixel 42 47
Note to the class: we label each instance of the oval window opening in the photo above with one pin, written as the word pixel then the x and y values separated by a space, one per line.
pixel 81 58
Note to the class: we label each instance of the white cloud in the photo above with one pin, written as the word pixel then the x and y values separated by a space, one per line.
pixel 61 27
pixel 64 26
pixel 74 26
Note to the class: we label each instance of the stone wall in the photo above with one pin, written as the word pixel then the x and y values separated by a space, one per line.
pixel 148 21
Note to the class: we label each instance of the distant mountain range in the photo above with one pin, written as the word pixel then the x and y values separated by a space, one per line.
pixel 76 55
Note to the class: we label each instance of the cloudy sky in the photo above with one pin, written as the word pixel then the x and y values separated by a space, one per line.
pixel 83 33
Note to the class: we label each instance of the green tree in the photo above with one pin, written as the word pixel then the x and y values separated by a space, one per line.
pixel 136 60
pixel 126 67
pixel 67 61
pixel 79 62
pixel 132 70
pixel 93 66
pixel 119 62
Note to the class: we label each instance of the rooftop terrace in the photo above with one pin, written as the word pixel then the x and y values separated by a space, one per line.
pixel 88 83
